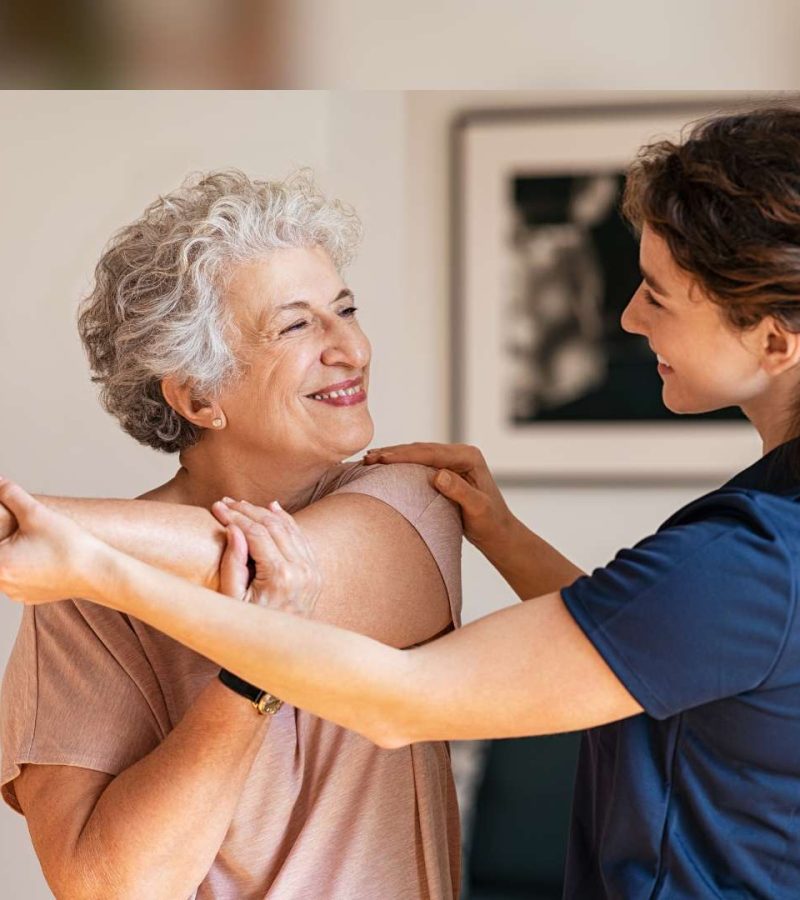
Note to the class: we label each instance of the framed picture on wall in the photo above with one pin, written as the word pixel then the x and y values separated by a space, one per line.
pixel 545 381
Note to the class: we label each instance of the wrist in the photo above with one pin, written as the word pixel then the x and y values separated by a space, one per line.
pixel 504 532
pixel 235 707
pixel 103 571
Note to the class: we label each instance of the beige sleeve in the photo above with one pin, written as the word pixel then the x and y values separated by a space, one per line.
pixel 78 690
pixel 407 488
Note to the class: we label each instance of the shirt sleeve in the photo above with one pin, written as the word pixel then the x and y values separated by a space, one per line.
pixel 407 489
pixel 697 612
pixel 78 690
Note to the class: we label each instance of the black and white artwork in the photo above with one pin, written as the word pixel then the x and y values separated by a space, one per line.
pixel 575 267
pixel 546 381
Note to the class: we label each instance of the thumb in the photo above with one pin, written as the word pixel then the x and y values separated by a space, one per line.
pixel 233 574
pixel 455 488
pixel 18 502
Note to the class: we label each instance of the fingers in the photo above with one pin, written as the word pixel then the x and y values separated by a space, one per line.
pixel 284 531
pixel 286 573
pixel 18 502
pixel 233 574
pixel 280 525
pixel 457 457
pixel 471 500
pixel 292 533
pixel 262 547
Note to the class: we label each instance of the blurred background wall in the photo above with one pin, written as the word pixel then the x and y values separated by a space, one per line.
pixel 364 44
pixel 76 165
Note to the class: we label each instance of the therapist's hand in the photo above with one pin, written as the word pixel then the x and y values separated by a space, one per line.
pixel 287 575
pixel 464 478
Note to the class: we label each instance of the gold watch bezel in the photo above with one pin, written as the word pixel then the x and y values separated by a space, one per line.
pixel 267 704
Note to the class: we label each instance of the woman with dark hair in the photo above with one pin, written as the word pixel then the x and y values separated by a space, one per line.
pixel 681 657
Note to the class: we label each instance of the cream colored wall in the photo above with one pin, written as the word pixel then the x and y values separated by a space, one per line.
pixel 542 44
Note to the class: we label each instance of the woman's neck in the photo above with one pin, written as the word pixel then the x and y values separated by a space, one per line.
pixel 207 475
pixel 775 418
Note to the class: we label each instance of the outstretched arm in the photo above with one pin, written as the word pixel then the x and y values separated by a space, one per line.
pixel 527 669
pixel 185 540
pixel 399 598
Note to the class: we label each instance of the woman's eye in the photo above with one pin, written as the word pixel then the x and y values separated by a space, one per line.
pixel 295 327
pixel 350 311
pixel 651 299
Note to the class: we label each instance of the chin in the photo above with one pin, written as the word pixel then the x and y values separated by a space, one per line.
pixel 356 440
pixel 690 406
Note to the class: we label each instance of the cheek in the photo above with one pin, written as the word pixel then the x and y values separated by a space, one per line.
pixel 716 376
pixel 262 386
pixel 281 376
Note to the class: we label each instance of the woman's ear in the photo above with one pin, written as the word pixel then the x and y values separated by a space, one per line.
pixel 181 398
pixel 781 347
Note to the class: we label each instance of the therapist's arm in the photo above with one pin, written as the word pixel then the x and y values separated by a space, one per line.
pixel 530 565
pixel 525 670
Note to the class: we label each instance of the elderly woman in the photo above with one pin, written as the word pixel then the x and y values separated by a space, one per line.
pixel 220 329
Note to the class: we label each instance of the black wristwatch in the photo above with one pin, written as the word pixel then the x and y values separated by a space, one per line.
pixel 267 704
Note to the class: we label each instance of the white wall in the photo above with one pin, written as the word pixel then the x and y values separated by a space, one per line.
pixel 542 44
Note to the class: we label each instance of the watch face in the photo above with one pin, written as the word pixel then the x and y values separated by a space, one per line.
pixel 268 704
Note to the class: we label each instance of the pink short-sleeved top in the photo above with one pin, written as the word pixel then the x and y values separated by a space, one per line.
pixel 324 812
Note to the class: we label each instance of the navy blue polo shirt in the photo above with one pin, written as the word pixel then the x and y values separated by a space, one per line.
pixel 699 796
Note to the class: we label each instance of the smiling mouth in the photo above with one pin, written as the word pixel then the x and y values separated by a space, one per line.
pixel 347 393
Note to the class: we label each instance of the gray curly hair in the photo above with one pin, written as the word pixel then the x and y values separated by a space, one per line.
pixel 156 306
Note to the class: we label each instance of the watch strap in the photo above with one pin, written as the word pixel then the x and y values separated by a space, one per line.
pixel 264 702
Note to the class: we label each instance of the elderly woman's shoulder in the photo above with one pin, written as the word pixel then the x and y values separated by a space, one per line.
pixel 406 486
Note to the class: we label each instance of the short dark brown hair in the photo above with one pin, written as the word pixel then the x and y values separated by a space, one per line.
pixel 726 199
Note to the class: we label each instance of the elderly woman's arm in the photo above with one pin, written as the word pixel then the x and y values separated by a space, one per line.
pixel 153 830
pixel 184 540
pixel 397 597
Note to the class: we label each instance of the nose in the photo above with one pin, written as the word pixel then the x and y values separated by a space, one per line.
pixel 346 345
pixel 633 318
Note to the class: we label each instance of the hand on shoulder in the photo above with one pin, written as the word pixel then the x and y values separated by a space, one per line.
pixel 464 477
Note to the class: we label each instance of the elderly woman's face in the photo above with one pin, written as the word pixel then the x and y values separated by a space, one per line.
pixel 303 390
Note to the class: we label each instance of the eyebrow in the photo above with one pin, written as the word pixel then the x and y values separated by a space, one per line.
pixel 653 282
pixel 302 304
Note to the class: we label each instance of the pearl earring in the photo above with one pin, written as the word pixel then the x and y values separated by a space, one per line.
pixel 217 423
